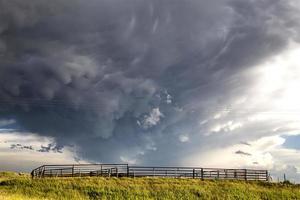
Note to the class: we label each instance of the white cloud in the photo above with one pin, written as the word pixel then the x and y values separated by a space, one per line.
pixel 151 146
pixel 268 143
pixel 152 119
pixel 217 116
pixel 6 122
pixel 128 160
pixel 184 138
pixel 132 158
pixel 275 96
pixel 221 114
pixel 227 127
pixel 169 99
pixel 203 122
pixel 274 91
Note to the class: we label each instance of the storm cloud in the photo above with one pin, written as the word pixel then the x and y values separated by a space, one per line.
pixel 126 80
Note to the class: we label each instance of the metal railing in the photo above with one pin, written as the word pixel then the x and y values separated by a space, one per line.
pixel 80 170
pixel 124 170
pixel 200 173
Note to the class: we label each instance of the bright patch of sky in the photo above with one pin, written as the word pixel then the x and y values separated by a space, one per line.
pixel 23 152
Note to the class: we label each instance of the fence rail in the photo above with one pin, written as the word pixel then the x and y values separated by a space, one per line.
pixel 124 170
pixel 79 170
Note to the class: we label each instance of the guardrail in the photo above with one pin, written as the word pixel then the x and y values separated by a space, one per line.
pixel 124 170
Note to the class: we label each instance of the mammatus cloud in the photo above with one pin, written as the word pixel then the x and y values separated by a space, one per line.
pixel 134 78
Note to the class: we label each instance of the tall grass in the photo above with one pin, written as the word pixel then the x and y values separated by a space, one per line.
pixel 19 187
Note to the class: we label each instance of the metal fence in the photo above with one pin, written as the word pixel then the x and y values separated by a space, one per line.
pixel 79 170
pixel 124 170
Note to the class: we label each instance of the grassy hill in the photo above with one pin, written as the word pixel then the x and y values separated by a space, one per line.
pixel 21 186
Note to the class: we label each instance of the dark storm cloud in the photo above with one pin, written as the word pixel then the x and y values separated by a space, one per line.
pixel 239 152
pixel 20 146
pixel 51 147
pixel 46 149
pixel 86 72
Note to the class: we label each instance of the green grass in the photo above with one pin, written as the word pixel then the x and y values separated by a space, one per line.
pixel 18 187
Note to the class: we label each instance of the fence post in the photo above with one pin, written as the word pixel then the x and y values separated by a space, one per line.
pixel 127 170
pixel 193 173
pixel 267 175
pixel 245 174
pixel 72 170
pixel 43 172
pixel 153 173
pixel 202 174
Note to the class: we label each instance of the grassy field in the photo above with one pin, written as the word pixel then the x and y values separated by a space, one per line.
pixel 21 186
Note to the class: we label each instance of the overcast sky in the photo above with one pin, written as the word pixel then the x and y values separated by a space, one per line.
pixel 150 82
